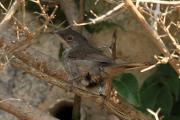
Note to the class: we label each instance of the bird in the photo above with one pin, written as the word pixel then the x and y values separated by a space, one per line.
pixel 81 51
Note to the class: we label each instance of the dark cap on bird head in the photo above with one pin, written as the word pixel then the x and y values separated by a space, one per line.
pixel 71 37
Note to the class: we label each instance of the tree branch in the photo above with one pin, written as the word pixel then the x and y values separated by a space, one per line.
pixel 103 17
pixel 155 37
pixel 161 2
pixel 9 15
pixel 42 68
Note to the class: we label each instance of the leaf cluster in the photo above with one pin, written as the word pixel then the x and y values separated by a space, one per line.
pixel 160 90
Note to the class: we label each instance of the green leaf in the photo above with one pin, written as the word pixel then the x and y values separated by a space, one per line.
pixel 166 76
pixel 170 79
pixel 164 101
pixel 157 96
pixel 173 85
pixel 159 88
pixel 176 108
pixel 148 96
pixel 127 87
pixel 171 118
pixel 153 79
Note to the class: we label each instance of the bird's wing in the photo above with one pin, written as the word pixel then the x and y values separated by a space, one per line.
pixel 99 58
pixel 89 53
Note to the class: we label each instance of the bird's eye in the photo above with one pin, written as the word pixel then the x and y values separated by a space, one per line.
pixel 70 38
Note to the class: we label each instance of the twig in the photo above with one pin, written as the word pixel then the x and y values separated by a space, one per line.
pixel 45 16
pixel 161 2
pixel 112 1
pixel 33 62
pixel 166 29
pixel 24 12
pixel 9 99
pixel 71 11
pixel 81 10
pixel 9 15
pixel 113 45
pixel 160 60
pixel 108 85
pixel 155 37
pixel 76 108
pixel 21 26
pixel 161 23
pixel 55 80
pixel 101 18
pixel 155 114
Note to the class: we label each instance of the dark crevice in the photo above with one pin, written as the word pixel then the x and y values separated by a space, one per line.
pixel 62 110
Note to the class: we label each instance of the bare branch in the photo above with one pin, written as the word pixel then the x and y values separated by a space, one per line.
pixel 161 2
pixel 161 22
pixel 71 11
pixel 47 69
pixel 9 14
pixel 101 18
pixel 20 25
pixel 155 114
pixel 45 15
pixel 155 37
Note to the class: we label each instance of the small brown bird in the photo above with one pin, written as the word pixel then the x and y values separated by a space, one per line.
pixel 80 51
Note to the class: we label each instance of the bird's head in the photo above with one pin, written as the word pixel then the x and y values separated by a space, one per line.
pixel 72 37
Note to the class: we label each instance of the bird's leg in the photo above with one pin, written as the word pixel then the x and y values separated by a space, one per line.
pixel 108 87
pixel 107 83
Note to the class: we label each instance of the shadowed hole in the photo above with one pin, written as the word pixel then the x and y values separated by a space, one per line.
pixel 62 110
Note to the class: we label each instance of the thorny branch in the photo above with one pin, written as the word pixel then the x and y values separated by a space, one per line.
pixel 161 2
pixel 9 15
pixel 160 19
pixel 104 17
pixel 155 37
pixel 155 114
pixel 44 15
pixel 19 109
pixel 57 77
